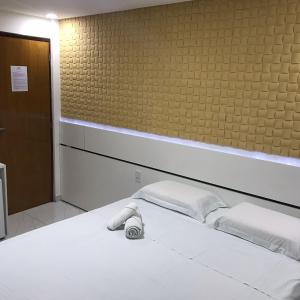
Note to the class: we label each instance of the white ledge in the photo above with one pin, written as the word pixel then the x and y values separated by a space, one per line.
pixel 290 161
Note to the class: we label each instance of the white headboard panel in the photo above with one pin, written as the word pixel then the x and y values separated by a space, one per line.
pixel 90 181
pixel 272 177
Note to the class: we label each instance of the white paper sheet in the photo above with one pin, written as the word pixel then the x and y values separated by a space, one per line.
pixel 19 78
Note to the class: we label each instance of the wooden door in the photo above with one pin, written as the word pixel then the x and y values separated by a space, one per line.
pixel 26 123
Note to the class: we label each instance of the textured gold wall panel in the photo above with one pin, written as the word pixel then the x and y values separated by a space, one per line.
pixel 220 71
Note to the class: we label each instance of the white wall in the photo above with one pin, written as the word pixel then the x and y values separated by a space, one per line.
pixel 38 27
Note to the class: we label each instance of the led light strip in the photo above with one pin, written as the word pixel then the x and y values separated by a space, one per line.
pixel 200 145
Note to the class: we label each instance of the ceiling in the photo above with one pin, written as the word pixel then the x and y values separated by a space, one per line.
pixel 74 8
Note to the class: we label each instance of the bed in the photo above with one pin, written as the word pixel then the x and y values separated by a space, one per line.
pixel 178 258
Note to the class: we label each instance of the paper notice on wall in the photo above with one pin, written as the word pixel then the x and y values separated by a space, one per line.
pixel 19 78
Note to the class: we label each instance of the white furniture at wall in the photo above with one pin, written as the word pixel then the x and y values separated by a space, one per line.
pixel 101 164
pixel 3 201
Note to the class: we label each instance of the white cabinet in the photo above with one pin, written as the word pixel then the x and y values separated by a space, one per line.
pixel 3 202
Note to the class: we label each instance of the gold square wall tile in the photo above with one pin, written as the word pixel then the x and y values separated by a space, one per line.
pixel 217 71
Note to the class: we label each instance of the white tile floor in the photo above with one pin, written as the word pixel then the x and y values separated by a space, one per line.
pixel 40 216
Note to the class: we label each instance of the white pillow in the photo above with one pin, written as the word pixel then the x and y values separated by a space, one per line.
pixel 186 199
pixel 267 228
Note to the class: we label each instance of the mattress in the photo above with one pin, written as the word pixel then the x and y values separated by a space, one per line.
pixel 178 258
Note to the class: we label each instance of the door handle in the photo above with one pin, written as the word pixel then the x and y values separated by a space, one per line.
pixel 2 129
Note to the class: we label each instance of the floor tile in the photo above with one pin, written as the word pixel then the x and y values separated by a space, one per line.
pixel 20 223
pixel 53 212
pixel 40 216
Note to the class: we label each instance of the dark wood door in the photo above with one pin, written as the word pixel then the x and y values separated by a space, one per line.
pixel 26 123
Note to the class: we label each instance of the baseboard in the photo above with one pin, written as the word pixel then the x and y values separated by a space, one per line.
pixel 57 198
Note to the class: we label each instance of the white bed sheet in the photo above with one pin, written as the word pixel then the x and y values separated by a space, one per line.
pixel 179 258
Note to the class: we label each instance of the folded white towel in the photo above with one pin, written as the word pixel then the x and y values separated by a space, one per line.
pixel 128 211
pixel 134 227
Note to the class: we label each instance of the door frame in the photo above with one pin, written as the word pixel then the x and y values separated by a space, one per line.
pixel 41 39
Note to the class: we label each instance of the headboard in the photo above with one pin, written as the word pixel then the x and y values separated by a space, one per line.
pixel 260 178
